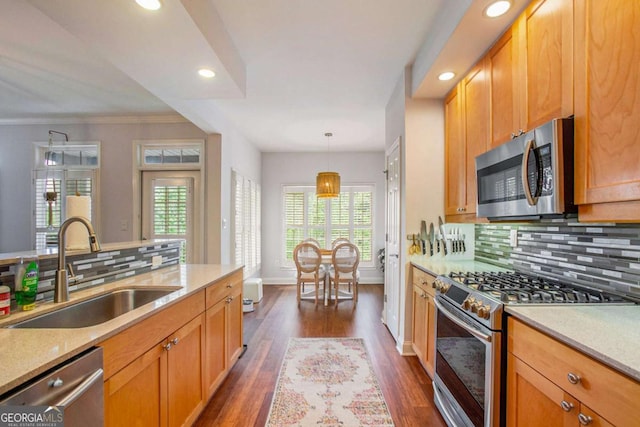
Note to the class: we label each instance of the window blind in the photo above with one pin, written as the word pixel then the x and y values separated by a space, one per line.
pixel 246 226
pixel 350 216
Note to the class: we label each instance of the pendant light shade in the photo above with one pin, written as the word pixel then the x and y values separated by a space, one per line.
pixel 327 183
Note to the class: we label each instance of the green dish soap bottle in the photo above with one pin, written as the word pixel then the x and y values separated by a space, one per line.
pixel 26 283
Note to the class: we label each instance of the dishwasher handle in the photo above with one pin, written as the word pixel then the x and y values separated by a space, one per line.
pixel 78 391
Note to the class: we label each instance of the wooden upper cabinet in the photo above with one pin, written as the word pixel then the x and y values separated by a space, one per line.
pixel 476 129
pixel 546 32
pixel 467 125
pixel 502 67
pixel 607 110
pixel 531 70
pixel 454 153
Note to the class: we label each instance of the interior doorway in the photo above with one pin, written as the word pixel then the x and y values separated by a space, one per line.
pixel 391 315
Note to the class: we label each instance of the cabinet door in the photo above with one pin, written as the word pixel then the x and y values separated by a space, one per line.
pixel 430 357
pixel 455 196
pixel 533 400
pixel 216 346
pixel 235 325
pixel 476 129
pixel 137 394
pixel 607 109
pixel 504 102
pixel 546 59
pixel 419 337
pixel 184 367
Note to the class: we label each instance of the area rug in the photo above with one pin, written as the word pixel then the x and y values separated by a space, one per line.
pixel 327 382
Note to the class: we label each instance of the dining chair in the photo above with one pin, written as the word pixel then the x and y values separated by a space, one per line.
pixel 345 259
pixel 312 241
pixel 307 258
pixel 338 241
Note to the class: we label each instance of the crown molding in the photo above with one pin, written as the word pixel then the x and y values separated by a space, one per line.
pixel 70 120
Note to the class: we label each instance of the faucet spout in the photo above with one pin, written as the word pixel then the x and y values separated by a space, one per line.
pixel 61 292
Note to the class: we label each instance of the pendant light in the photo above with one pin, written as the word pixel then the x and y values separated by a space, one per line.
pixel 328 183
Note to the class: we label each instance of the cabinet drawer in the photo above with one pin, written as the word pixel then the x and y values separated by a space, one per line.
pixel 223 287
pixel 424 280
pixel 608 392
pixel 128 345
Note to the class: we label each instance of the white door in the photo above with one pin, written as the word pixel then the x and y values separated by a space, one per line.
pixel 168 208
pixel 391 313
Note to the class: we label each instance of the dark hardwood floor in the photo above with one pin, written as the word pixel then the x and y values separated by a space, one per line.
pixel 245 397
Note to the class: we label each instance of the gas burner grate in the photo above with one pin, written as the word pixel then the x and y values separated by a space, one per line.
pixel 518 288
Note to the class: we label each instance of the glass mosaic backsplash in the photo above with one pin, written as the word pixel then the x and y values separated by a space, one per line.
pixel 602 256
pixel 93 269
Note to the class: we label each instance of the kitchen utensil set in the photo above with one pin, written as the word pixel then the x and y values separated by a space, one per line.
pixel 441 239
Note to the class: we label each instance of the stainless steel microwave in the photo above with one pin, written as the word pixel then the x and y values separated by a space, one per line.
pixel 530 176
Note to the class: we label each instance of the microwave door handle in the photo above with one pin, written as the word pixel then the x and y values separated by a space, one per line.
pixel 525 178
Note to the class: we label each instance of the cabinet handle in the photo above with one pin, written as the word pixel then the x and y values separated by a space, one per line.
pixel 167 346
pixel 573 378
pixel 174 341
pixel 566 406
pixel 230 285
pixel 585 420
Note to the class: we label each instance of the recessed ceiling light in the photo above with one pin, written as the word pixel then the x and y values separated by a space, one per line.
pixel 447 75
pixel 497 8
pixel 205 72
pixel 150 4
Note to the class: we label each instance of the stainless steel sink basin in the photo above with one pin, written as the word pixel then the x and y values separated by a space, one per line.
pixel 96 310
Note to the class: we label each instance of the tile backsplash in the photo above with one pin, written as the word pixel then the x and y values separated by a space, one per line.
pixel 93 269
pixel 602 256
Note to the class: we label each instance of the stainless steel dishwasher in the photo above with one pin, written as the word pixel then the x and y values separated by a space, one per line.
pixel 75 385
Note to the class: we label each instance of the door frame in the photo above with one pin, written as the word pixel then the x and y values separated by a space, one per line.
pixel 199 255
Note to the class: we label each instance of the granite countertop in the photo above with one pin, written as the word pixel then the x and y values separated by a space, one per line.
pixel 607 333
pixel 25 353
pixel 438 265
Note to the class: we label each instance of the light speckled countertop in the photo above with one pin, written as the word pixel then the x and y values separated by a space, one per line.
pixel 438 265
pixel 25 353
pixel 610 334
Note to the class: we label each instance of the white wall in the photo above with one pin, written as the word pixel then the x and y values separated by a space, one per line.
pixel 280 169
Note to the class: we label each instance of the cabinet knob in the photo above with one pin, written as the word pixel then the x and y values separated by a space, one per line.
pixel 585 420
pixel 566 406
pixel 167 346
pixel 174 341
pixel 573 378
pixel 229 285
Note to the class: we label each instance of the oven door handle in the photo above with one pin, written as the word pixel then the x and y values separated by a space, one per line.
pixel 460 323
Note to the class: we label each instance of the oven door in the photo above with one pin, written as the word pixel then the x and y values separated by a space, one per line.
pixel 467 379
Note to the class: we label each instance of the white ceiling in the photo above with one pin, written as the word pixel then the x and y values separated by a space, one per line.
pixel 287 70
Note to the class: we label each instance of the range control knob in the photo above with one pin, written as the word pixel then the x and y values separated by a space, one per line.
pixel 466 304
pixel 445 287
pixel 475 305
pixel 484 311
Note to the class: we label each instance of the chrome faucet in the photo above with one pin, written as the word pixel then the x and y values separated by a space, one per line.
pixel 61 292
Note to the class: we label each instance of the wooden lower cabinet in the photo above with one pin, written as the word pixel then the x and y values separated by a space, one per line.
pixel 223 337
pixel 424 322
pixel 163 387
pixel 551 384
pixel 157 375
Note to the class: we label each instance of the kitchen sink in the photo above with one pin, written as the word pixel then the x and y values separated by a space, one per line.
pixel 96 310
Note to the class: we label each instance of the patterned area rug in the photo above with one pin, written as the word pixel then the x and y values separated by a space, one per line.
pixel 328 382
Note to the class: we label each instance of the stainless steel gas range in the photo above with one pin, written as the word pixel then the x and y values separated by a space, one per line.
pixel 469 381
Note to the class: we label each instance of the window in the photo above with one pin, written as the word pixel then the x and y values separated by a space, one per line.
pixel 350 215
pixel 246 223
pixel 62 171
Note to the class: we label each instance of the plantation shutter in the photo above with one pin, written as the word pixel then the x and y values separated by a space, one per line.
pixel 246 223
